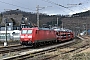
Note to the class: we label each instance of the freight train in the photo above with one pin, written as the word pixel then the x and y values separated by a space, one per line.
pixel 33 36
pixel 63 34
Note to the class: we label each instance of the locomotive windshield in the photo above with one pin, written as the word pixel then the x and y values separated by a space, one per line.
pixel 26 32
pixel 29 32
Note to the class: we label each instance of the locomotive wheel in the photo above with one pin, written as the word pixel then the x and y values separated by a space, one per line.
pixel 34 45
pixel 58 41
pixel 22 43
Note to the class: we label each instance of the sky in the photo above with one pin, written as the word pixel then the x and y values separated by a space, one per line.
pixel 50 7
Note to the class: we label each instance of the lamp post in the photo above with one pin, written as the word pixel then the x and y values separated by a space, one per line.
pixel 6 43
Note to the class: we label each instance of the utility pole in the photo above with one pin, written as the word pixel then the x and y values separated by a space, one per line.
pixel 6 42
pixel 37 15
pixel 57 21
pixel 38 8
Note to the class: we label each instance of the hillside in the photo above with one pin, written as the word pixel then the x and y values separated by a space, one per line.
pixel 77 22
pixel 17 15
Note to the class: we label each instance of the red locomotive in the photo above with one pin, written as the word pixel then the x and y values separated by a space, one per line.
pixel 35 35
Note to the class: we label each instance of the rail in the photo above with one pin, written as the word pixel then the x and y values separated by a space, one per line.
pixel 37 52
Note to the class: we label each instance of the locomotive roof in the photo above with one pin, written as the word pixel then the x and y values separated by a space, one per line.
pixel 38 28
pixel 45 29
pixel 29 28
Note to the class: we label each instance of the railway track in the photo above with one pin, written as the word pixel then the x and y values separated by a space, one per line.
pixel 12 48
pixel 78 47
pixel 77 50
pixel 72 52
pixel 38 52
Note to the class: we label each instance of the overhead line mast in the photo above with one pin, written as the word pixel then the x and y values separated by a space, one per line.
pixel 37 15
pixel 39 8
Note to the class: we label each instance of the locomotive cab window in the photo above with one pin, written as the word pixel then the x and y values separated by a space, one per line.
pixel 24 31
pixel 29 31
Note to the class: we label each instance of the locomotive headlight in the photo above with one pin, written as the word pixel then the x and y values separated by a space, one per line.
pixel 22 36
pixel 29 36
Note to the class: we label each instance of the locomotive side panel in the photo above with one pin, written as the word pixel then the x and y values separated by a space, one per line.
pixel 44 35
